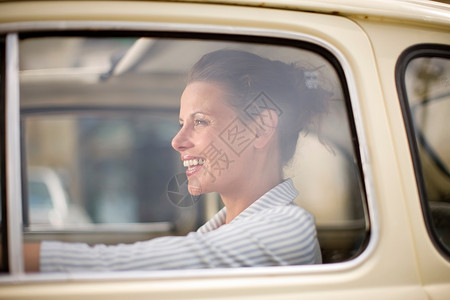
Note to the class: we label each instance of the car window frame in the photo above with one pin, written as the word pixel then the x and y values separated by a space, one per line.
pixel 291 37
pixel 4 228
pixel 411 53
pixel 12 163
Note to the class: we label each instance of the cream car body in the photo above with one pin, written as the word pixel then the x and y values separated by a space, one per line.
pixel 367 38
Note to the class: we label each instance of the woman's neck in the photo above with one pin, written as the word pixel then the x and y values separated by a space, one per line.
pixel 245 193
pixel 266 173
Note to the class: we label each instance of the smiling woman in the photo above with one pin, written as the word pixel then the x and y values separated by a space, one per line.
pixel 260 225
pixel 242 114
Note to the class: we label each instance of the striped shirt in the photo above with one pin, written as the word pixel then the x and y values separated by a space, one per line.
pixel 272 231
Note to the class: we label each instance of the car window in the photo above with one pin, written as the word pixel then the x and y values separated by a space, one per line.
pixel 425 76
pixel 98 115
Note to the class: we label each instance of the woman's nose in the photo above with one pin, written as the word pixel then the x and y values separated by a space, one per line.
pixel 181 141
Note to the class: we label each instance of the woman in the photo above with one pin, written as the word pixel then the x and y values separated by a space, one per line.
pixel 240 119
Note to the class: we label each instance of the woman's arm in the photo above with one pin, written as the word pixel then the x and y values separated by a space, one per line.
pixel 274 238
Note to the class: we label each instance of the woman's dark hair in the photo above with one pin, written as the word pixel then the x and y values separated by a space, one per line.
pixel 246 76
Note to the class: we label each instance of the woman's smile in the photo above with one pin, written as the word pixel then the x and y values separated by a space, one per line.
pixel 193 164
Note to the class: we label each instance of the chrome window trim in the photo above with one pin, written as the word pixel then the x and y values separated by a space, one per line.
pixel 13 176
pixel 55 26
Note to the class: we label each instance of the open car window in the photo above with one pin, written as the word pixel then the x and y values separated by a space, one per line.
pixel 97 118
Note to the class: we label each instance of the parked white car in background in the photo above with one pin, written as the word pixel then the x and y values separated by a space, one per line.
pixel 48 202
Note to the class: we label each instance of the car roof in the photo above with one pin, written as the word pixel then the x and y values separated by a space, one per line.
pixel 436 12
pixel 421 11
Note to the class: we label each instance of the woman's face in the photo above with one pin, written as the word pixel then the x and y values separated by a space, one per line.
pixel 211 140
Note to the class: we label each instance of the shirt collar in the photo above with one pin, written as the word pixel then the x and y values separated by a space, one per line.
pixel 281 195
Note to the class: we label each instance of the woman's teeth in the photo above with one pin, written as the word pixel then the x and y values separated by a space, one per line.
pixel 193 162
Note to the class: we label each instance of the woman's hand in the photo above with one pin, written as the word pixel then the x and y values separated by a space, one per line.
pixel 31 253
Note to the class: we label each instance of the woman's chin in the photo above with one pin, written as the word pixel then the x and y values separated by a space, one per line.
pixel 195 191
pixel 194 186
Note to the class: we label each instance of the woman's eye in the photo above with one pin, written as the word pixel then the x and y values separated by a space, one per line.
pixel 200 122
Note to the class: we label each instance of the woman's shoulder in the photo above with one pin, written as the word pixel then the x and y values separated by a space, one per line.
pixel 285 213
pixel 289 211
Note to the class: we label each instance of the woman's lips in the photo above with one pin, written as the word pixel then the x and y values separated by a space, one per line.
pixel 192 170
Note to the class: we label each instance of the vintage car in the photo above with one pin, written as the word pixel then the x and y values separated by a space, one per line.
pixel 90 94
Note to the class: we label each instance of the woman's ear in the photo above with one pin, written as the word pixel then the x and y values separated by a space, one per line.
pixel 266 125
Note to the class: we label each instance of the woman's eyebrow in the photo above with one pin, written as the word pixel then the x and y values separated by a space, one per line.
pixel 194 114
pixel 199 113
